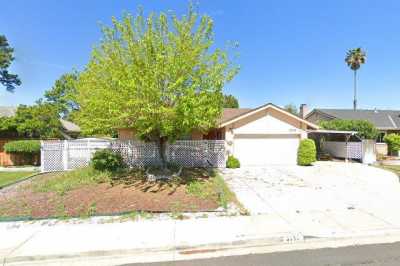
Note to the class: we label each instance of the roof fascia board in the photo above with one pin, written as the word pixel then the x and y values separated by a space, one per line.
pixel 259 109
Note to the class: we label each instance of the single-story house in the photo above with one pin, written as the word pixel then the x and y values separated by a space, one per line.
pixel 386 121
pixel 264 135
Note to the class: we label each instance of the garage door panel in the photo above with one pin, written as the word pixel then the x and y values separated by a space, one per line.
pixel 259 150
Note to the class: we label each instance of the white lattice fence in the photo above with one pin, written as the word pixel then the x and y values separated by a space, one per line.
pixel 70 154
pixel 191 153
pixel 59 155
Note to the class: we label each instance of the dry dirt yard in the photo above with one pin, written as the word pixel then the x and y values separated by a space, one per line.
pixel 86 192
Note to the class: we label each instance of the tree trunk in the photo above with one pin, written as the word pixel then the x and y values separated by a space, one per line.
pixel 355 91
pixel 162 149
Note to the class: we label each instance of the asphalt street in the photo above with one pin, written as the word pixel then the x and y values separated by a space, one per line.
pixel 368 255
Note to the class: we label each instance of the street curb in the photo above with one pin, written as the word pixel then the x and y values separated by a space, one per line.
pixel 285 239
pixel 181 249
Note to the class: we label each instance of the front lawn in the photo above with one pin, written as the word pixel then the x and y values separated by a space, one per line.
pixel 86 192
pixel 7 178
pixel 393 168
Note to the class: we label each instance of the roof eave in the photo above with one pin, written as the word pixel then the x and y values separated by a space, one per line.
pixel 263 107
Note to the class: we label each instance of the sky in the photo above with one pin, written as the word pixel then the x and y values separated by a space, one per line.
pixel 289 51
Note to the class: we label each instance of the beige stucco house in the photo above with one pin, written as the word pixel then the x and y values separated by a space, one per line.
pixel 265 135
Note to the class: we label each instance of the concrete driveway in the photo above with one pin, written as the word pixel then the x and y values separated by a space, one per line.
pixel 326 186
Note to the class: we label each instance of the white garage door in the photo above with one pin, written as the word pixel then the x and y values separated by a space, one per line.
pixel 259 150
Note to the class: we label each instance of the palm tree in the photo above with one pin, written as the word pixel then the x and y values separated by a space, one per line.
pixel 354 59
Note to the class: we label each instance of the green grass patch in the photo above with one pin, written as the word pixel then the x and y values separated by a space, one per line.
pixel 67 181
pixel 393 168
pixel 213 188
pixel 11 177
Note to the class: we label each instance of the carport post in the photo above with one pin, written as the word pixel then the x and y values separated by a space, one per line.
pixel 347 137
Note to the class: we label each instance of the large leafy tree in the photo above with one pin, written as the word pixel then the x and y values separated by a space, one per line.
pixel 230 101
pixel 354 59
pixel 6 57
pixel 63 94
pixel 159 75
pixel 37 121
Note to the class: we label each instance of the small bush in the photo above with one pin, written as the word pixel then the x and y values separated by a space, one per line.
pixel 23 146
pixel 393 142
pixel 307 153
pixel 107 160
pixel 232 162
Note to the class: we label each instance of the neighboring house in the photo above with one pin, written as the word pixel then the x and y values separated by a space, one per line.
pixel 386 121
pixel 261 136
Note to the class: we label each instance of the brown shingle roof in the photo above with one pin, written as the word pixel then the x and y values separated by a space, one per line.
pixel 230 113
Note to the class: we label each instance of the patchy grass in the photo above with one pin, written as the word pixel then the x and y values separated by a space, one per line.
pixel 11 177
pixel 67 181
pixel 393 168
pixel 215 188
pixel 86 192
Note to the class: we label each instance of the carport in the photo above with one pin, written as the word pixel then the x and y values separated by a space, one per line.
pixel 338 143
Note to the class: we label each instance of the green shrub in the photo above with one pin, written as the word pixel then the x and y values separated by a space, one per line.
pixel 393 142
pixel 107 160
pixel 307 153
pixel 365 129
pixel 232 162
pixel 23 146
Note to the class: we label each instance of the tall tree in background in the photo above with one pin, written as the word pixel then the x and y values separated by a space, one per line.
pixel 230 101
pixel 291 108
pixel 63 95
pixel 6 57
pixel 354 59
pixel 159 75
pixel 36 121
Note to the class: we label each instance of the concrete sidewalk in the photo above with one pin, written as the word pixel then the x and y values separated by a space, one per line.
pixel 45 241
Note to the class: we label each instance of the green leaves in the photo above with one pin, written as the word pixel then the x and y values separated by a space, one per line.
pixel 6 57
pixel 365 129
pixel 393 141
pixel 63 94
pixel 355 58
pixel 36 121
pixel 230 101
pixel 158 74
pixel 307 152
pixel 22 146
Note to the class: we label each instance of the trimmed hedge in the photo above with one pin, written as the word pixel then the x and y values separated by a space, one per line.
pixel 232 162
pixel 393 142
pixel 107 160
pixel 307 153
pixel 23 146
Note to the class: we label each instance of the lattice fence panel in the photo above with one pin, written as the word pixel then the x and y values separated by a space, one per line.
pixel 354 150
pixel 188 153
pixel 79 152
pixel 72 154
pixel 137 153
pixel 52 156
